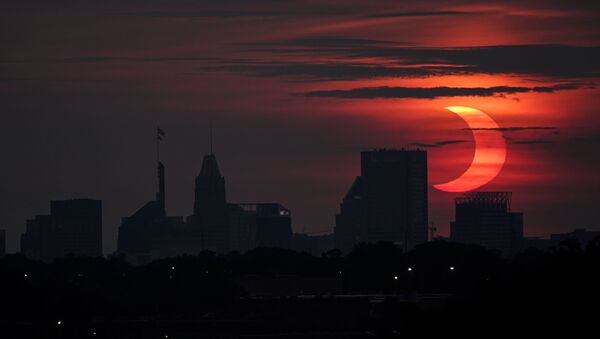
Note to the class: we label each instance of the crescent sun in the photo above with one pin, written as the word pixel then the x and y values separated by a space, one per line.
pixel 490 151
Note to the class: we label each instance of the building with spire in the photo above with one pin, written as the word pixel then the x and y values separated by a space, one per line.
pixel 210 206
pixel 215 224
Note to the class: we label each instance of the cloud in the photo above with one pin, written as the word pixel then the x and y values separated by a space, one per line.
pixel 433 92
pixel 437 144
pixel 395 14
pixel 513 129
pixel 298 11
pixel 321 42
pixel 228 13
pixel 325 71
pixel 531 142
pixel 559 61
pixel 103 59
pixel 595 139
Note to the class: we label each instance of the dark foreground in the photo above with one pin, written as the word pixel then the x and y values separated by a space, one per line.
pixel 375 291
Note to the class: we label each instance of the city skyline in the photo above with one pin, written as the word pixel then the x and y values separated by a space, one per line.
pixel 161 199
pixel 294 90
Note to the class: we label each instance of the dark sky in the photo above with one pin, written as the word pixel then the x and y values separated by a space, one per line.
pixel 294 90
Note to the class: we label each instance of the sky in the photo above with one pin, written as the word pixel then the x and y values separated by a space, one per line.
pixel 294 91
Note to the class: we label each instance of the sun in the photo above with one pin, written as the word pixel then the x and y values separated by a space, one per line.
pixel 490 151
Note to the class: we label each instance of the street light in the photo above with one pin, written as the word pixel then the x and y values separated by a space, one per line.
pixel 410 269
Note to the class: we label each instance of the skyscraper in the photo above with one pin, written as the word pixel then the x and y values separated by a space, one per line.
pixel 139 234
pixel 210 206
pixel 387 202
pixel 73 227
pixel 485 218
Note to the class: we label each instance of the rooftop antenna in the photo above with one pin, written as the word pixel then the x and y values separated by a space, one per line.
pixel 160 134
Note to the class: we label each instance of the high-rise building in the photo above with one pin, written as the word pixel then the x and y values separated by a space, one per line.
pixel 2 243
pixel 74 227
pixel 485 218
pixel 210 206
pixel 150 234
pixel 273 224
pixel 387 202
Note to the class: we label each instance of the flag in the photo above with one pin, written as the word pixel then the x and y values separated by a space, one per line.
pixel 159 133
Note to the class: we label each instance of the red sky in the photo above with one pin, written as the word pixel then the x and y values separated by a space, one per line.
pixel 295 90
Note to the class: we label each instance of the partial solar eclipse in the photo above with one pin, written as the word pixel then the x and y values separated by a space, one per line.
pixel 490 151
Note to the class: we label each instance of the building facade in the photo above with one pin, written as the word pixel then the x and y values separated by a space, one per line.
pixel 74 227
pixel 387 202
pixel 485 218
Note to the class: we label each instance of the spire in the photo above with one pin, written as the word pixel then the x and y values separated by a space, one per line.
pixel 210 168
pixel 211 138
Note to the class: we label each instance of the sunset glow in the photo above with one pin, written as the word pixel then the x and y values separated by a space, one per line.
pixel 294 92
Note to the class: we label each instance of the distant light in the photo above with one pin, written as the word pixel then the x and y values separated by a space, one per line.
pixel 166 336
pixel 206 272
pixel 395 277
pixel 59 322
pixel 172 267
pixel 410 269
pixel 93 333
pixel 451 268
pixel 340 272
pixel 25 275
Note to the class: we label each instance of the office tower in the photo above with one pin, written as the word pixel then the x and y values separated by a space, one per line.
pixel 78 226
pixel 210 206
pixel 151 234
pixel 387 202
pixel 259 225
pixel 138 232
pixel 485 218
pixel 74 227
pixel 273 224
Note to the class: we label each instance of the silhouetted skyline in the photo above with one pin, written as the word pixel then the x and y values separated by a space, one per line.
pixel 293 91
pixel 299 169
